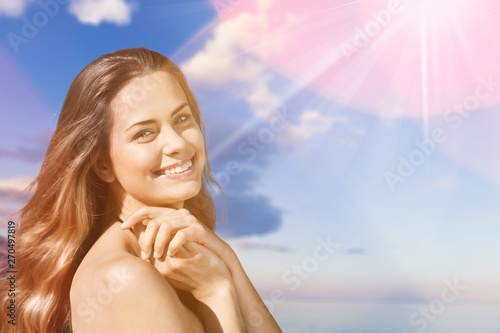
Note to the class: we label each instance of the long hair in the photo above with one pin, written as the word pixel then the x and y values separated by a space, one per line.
pixel 67 211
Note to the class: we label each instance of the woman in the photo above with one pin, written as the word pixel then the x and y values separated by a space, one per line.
pixel 118 235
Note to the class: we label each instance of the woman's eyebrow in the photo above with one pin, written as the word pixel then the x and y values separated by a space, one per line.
pixel 178 109
pixel 144 122
pixel 151 121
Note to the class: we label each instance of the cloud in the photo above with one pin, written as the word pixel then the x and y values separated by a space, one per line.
pixel 15 184
pixel 242 212
pixel 13 8
pixel 13 196
pixel 313 122
pixel 356 251
pixel 224 62
pixel 310 123
pixel 92 12
pixel 95 12
pixel 248 214
pixel 33 152
pixel 244 136
pixel 13 188
pixel 24 153
pixel 261 98
pixel 250 245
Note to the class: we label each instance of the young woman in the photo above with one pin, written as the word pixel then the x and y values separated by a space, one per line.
pixel 118 235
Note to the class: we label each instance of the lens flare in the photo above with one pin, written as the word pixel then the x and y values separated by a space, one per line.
pixel 393 57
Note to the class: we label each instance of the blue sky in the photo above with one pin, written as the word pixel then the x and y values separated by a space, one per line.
pixel 300 168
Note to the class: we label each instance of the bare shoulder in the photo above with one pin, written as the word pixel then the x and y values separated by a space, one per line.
pixel 117 291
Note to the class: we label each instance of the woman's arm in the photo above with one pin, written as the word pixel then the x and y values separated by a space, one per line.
pixel 220 311
pixel 255 313
pixel 130 295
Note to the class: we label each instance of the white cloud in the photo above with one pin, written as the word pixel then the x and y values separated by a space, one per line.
pixel 13 8
pixel 12 197
pixel 92 12
pixel 313 122
pixel 261 98
pixel 95 12
pixel 18 184
pixel 225 62
pixel 310 123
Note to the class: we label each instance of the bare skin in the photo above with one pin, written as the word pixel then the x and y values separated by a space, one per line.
pixel 111 276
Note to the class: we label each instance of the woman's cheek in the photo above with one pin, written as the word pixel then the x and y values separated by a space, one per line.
pixel 194 137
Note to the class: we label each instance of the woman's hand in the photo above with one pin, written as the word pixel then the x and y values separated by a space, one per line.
pixel 192 263
pixel 162 231
pixel 166 229
pixel 195 269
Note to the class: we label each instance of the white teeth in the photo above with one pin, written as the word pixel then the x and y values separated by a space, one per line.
pixel 180 168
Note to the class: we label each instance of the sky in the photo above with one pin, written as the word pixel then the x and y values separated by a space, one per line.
pixel 356 141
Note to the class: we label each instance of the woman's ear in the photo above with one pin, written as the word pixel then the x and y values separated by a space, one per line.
pixel 104 170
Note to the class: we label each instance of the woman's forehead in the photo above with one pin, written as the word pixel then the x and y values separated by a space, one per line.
pixel 139 88
pixel 152 92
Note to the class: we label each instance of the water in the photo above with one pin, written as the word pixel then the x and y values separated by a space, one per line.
pixel 388 317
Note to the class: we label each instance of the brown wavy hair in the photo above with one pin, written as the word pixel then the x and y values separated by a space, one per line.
pixel 68 210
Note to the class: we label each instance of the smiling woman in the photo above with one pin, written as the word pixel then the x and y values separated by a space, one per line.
pixel 118 235
pixel 160 132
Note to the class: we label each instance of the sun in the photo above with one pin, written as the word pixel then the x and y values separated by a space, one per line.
pixel 443 10
pixel 417 57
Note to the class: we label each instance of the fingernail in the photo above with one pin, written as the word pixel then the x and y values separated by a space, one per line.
pixel 156 255
pixel 144 255
pixel 169 253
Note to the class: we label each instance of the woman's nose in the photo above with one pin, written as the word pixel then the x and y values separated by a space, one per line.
pixel 172 142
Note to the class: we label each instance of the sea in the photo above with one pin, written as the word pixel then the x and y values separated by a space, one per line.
pixel 387 317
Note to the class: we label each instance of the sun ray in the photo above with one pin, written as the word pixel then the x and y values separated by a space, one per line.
pixel 438 38
pixel 425 69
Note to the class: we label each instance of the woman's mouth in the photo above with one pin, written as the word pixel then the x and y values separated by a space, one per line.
pixel 178 169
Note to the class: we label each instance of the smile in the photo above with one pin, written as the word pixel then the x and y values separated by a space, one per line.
pixel 178 169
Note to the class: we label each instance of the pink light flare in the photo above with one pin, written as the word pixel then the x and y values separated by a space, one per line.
pixel 412 58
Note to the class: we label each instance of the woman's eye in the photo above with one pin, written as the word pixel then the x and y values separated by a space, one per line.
pixel 143 135
pixel 182 118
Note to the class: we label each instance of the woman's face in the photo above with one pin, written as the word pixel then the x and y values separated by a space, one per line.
pixel 157 150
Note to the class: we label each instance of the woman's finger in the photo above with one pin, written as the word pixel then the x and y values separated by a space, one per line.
pixel 183 253
pixel 177 241
pixel 146 240
pixel 162 239
pixel 194 233
pixel 145 213
pixel 138 230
